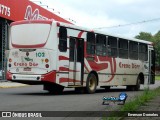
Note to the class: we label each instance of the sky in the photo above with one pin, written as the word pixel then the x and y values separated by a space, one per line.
pixel 102 15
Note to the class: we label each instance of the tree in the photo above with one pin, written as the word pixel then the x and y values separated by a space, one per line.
pixel 156 41
pixel 145 36
pixel 156 37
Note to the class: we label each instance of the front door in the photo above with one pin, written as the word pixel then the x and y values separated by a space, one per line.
pixel 152 67
pixel 76 61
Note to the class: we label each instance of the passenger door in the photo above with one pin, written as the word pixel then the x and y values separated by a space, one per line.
pixel 152 67
pixel 76 61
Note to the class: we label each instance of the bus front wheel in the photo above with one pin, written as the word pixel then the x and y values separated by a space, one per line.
pixel 134 87
pixel 137 86
pixel 91 84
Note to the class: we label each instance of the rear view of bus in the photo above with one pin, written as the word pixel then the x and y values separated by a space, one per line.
pixel 32 43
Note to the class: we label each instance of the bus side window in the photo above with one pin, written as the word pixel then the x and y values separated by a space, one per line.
pixel 91 43
pixel 133 50
pixel 101 48
pixel 143 52
pixel 112 46
pixel 123 48
pixel 108 50
pixel 62 39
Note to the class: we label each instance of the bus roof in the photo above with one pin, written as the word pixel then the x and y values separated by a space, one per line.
pixel 104 33
pixel 78 28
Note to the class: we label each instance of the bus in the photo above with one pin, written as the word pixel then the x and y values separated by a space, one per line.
pixel 59 55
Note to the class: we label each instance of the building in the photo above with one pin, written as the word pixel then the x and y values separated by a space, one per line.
pixel 14 10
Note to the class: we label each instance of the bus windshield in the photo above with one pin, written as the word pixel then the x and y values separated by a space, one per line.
pixel 30 34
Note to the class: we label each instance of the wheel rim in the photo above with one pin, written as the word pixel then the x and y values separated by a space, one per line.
pixel 92 84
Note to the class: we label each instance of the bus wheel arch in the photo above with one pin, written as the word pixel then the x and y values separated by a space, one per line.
pixel 137 86
pixel 141 77
pixel 95 73
pixel 140 80
pixel 92 82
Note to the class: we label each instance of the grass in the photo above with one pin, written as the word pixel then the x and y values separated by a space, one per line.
pixel 157 77
pixel 133 105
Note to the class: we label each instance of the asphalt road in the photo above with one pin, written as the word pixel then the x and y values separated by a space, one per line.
pixel 34 98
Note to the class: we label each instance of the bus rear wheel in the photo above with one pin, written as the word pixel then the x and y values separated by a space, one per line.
pixel 91 84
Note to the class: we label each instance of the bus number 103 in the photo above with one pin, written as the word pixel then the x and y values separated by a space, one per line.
pixel 40 54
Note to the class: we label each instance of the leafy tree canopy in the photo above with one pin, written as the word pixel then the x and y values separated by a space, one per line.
pixel 144 36
pixel 153 38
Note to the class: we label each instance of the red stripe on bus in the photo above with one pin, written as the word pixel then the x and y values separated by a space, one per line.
pixel 80 34
pixel 50 77
pixel 63 69
pixel 67 69
pixel 62 80
pixel 113 70
pixel 63 58
pixel 8 76
pixel 97 66
pixel 28 46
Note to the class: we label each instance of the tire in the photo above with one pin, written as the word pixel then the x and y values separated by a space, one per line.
pixel 91 84
pixel 137 86
pixel 134 87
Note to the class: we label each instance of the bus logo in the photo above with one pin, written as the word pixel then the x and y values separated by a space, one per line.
pixel 28 59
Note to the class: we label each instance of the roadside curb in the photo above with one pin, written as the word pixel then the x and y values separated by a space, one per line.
pixel 11 85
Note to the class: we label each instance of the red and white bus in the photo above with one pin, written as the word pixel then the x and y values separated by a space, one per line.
pixel 60 55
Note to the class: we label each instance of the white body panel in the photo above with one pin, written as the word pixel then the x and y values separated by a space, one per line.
pixel 118 71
